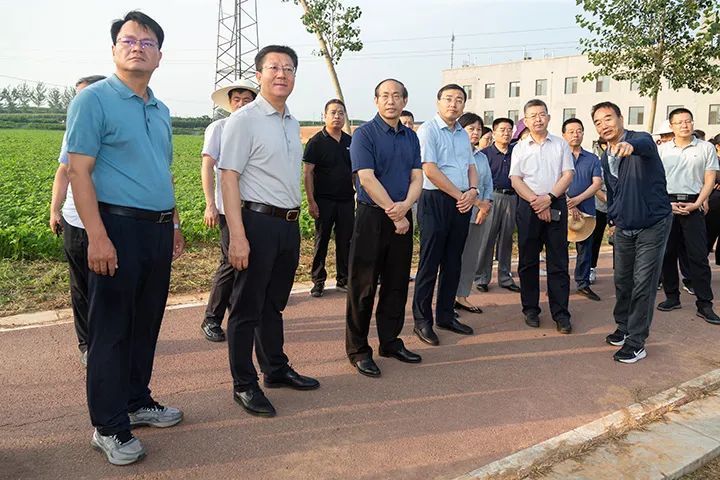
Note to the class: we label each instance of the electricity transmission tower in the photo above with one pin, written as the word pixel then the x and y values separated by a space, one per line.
pixel 237 41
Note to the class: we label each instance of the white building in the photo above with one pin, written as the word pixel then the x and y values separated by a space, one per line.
pixel 501 90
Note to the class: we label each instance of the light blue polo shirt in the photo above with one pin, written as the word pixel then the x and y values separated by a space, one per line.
pixel 131 141
pixel 449 149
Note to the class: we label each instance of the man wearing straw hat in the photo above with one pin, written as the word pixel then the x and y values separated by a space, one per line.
pixel 230 98
pixel 581 204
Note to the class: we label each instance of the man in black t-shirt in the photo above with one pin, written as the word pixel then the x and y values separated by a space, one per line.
pixel 330 195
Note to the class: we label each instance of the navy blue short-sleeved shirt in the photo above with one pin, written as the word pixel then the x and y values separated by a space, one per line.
pixel 587 166
pixel 391 154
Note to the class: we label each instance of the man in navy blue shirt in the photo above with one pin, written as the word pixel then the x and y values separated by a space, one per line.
pixel 639 209
pixel 385 156
pixel 581 199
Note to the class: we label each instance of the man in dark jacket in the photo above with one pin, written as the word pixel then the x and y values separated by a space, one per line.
pixel 639 209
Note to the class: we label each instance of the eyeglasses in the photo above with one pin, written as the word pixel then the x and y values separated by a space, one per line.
pixel 129 43
pixel 276 69
pixel 682 122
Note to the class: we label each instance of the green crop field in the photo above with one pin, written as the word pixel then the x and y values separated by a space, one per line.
pixel 28 160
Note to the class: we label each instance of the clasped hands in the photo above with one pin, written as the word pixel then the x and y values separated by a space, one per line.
pixel 541 206
pixel 397 212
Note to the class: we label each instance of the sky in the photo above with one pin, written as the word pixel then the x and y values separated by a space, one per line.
pixel 56 42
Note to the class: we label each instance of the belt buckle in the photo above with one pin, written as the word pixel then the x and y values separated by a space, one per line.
pixel 682 197
pixel 165 217
pixel 292 215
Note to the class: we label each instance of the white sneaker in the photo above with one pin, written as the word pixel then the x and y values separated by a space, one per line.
pixel 156 416
pixel 120 449
pixel 593 276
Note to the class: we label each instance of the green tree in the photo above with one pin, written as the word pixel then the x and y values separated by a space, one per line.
pixel 332 24
pixel 39 95
pixel 9 99
pixel 66 97
pixel 24 95
pixel 55 99
pixel 647 41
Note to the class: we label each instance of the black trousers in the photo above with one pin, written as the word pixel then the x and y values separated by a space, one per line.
pixel 712 224
pixel 124 320
pixel 533 234
pixel 598 235
pixel 690 231
pixel 75 245
pixel 341 216
pixel 260 294
pixel 221 289
pixel 443 230
pixel 376 250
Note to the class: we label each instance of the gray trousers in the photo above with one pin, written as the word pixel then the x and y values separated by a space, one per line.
pixel 499 226
pixel 471 254
pixel 638 262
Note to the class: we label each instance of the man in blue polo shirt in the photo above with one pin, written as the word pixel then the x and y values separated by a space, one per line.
pixel 120 150
pixel 581 199
pixel 385 156
pixel 450 188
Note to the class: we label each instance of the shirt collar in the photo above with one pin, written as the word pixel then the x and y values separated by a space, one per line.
pixel 498 152
pixel 529 139
pixel 383 125
pixel 268 109
pixel 441 123
pixel 125 92
pixel 693 143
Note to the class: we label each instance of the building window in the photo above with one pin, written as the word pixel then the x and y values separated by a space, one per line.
pixel 568 113
pixel 670 108
pixel 488 117
pixel 541 87
pixel 514 115
pixel 636 115
pixel 602 84
pixel 468 91
pixel 514 89
pixel 634 85
pixel 570 85
pixel 489 90
pixel 714 115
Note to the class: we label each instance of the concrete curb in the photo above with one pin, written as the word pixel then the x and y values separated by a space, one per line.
pixel 521 464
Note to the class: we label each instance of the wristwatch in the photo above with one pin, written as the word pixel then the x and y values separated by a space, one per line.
pixel 552 196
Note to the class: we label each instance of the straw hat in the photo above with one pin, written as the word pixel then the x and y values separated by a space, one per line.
pixel 220 96
pixel 580 229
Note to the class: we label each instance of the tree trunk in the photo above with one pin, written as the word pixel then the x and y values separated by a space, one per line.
pixel 331 68
pixel 653 110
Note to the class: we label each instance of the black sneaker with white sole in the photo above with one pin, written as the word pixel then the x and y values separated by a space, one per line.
pixel 616 338
pixel 669 305
pixel 630 354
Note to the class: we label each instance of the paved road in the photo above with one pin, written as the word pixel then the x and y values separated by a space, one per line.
pixel 472 400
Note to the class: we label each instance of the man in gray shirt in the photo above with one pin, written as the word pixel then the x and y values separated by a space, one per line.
pixel 260 161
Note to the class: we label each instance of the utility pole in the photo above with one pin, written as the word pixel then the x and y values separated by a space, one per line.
pixel 237 42
pixel 452 50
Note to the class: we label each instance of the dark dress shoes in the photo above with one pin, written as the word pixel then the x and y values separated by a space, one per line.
pixel 290 379
pixel 457 327
pixel 587 292
pixel 254 402
pixel 427 335
pixel 709 315
pixel 512 287
pixel 564 327
pixel 213 332
pixel 482 287
pixel 532 320
pixel 403 354
pixel 367 367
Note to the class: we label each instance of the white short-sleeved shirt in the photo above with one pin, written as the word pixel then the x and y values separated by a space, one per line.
pixel 541 165
pixel 263 146
pixel 211 147
pixel 685 167
pixel 69 212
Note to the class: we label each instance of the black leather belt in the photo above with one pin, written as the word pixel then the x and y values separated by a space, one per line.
pixel 138 213
pixel 682 197
pixel 369 204
pixel 289 214
pixel 506 191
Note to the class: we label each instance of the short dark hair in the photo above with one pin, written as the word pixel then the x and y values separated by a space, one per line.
pixel 535 102
pixel 240 90
pixel 407 113
pixel 90 79
pixel 468 118
pixel 678 111
pixel 484 131
pixel 260 57
pixel 572 120
pixel 143 20
pixel 334 101
pixel 700 134
pixel 404 90
pixel 452 86
pixel 609 105
pixel 500 120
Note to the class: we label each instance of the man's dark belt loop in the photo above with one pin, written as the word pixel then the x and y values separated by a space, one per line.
pixel 682 197
pixel 137 213
pixel 287 214
pixel 505 191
